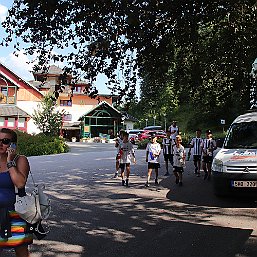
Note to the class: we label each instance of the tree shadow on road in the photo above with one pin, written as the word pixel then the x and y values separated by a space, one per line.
pixel 98 219
pixel 200 192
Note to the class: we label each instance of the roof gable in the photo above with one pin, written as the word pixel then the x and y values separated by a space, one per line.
pixel 12 77
pixel 102 107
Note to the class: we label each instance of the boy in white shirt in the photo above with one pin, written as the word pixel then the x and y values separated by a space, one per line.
pixel 153 151
pixel 127 153
pixel 174 130
pixel 179 160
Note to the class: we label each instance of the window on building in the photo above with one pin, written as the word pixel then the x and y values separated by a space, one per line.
pixel 2 119
pixel 65 102
pixel 77 89
pixel 21 122
pixel 67 117
pixel 4 90
pixel 11 122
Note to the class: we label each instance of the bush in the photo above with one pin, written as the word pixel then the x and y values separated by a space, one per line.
pixel 34 145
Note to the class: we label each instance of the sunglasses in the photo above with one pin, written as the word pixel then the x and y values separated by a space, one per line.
pixel 5 141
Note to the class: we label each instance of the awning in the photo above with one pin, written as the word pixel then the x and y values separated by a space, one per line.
pixel 71 128
pixel 71 125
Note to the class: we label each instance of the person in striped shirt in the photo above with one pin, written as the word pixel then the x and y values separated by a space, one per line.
pixel 196 143
pixel 208 146
pixel 167 148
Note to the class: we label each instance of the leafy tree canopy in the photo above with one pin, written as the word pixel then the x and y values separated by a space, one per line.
pixel 192 46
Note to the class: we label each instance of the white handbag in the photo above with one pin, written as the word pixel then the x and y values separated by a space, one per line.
pixel 33 207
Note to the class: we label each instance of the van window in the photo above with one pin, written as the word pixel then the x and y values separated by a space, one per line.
pixel 242 136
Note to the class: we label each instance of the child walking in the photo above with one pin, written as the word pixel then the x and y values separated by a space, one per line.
pixel 118 141
pixel 179 160
pixel 153 151
pixel 208 146
pixel 196 143
pixel 167 147
pixel 127 153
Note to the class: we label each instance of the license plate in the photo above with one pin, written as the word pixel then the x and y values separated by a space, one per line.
pixel 244 183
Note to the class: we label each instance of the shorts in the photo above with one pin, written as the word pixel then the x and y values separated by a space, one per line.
pixel 178 169
pixel 207 159
pixel 196 158
pixel 153 165
pixel 123 165
pixel 168 157
pixel 19 235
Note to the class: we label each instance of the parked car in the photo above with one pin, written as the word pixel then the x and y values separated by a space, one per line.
pixel 234 167
pixel 148 133
pixel 133 135
pixel 153 128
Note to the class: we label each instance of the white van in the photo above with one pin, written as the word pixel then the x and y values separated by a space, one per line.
pixel 234 168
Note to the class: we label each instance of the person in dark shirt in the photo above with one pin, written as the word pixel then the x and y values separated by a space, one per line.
pixel 14 171
pixel 167 148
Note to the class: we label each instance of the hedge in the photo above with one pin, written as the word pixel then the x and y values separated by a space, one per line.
pixel 34 145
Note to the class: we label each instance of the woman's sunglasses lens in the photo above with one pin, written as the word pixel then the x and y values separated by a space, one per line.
pixel 6 141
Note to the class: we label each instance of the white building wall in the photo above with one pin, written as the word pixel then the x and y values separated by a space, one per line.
pixel 76 111
pixel 29 107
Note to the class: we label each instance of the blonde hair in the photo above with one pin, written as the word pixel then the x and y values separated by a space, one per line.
pixel 179 137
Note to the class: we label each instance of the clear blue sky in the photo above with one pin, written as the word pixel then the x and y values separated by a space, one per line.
pixel 19 65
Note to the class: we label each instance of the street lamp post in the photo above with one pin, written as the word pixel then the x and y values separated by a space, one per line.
pixel 165 121
pixel 146 122
pixel 154 118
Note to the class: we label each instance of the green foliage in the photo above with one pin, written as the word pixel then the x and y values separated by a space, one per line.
pixel 47 118
pixel 199 48
pixel 142 144
pixel 40 144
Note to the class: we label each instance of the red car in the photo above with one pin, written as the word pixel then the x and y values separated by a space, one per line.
pixel 148 133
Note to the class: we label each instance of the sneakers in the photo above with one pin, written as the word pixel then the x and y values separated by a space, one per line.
pixel 167 174
pixel 147 184
pixel 123 182
pixel 127 182
pixel 156 182
pixel 116 175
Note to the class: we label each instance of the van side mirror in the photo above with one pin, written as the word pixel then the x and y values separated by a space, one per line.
pixel 219 142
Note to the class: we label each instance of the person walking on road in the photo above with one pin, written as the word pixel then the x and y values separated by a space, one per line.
pixel 14 171
pixel 179 160
pixel 127 153
pixel 118 141
pixel 196 143
pixel 208 146
pixel 167 147
pixel 174 130
pixel 153 151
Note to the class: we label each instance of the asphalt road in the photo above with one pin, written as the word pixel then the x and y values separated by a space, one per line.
pixel 94 216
